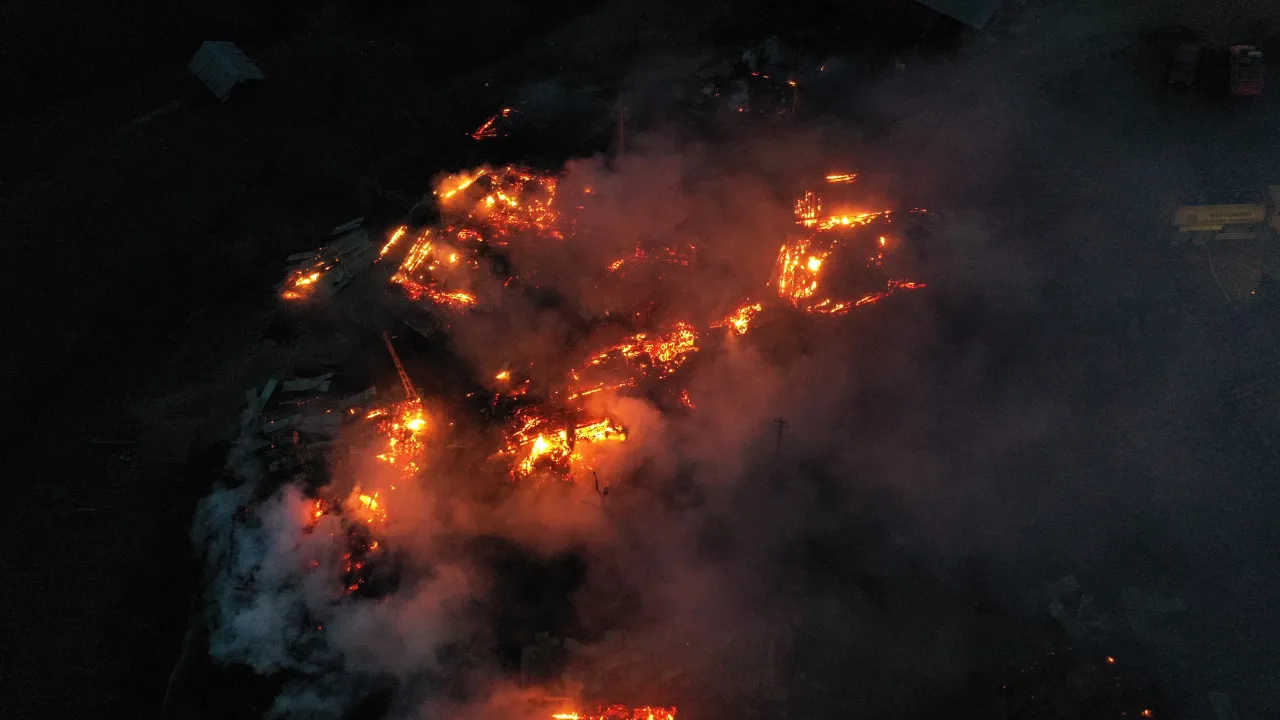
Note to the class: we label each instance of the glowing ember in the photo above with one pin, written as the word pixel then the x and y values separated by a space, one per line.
pixel 796 271
pixel 303 282
pixel 739 321
pixel 686 401
pixel 513 198
pixel 679 256
pixel 482 208
pixel 665 353
pixel 848 220
pixel 403 427
pixel 621 712
pixel 842 178
pixel 602 387
pixel 391 241
pixel 538 447
pixel 489 129
pixel 808 207
pixel 801 260
pixel 827 307
pixel 368 507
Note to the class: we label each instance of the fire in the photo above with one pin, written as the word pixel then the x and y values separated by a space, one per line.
pixel 503 376
pixel 739 321
pixel 664 353
pixel 515 198
pixel 807 208
pixel 669 255
pixel 797 270
pixel 368 506
pixel 403 427
pixel 621 712
pixel 455 184
pixel 393 239
pixel 302 282
pixel 451 299
pixel 826 307
pixel 538 447
pixel 848 220
pixel 489 129
pixel 602 387
pixel 482 209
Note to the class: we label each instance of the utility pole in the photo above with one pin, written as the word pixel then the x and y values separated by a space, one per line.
pixel 779 425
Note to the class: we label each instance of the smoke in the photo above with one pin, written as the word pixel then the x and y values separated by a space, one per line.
pixel 937 457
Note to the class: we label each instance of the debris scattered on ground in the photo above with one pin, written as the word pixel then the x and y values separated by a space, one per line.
pixel 325 271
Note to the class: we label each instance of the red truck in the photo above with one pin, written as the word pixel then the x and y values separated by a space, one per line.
pixel 1246 71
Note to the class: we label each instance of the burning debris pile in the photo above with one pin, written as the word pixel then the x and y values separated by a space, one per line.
pixel 317 536
pixel 323 272
pixel 825 228
pixel 490 215
pixel 482 210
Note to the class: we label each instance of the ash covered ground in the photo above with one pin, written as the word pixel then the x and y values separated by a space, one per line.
pixel 1062 397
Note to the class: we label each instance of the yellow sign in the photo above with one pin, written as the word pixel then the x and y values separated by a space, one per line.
pixel 1213 217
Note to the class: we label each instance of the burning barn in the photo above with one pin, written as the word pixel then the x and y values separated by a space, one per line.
pixel 347 483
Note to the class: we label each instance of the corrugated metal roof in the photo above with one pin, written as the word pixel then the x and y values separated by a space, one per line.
pixel 974 13
pixel 221 66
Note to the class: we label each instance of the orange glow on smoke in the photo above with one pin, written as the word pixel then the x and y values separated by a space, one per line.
pixel 367 507
pixel 621 712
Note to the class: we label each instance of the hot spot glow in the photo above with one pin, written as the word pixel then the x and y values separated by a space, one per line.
pixel 620 712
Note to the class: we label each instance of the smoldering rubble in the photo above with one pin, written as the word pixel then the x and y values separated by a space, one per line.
pixel 816 509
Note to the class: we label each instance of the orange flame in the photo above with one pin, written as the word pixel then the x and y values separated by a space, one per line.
pixel 391 241
pixel 552 448
pixel 303 282
pixel 620 712
pixel 665 353
pixel 403 427
pixel 739 321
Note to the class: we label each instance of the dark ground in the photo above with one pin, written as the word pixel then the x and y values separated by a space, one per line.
pixel 148 222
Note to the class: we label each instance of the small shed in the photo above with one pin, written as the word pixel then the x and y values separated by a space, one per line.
pixel 221 66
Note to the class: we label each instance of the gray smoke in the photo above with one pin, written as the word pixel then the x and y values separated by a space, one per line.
pixel 937 459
